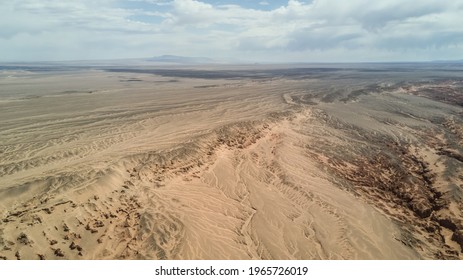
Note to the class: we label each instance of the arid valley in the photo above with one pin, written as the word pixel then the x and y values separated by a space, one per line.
pixel 330 161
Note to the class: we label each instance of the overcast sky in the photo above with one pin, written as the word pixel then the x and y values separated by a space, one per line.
pixel 273 31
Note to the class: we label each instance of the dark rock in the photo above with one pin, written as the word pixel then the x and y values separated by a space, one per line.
pixel 445 221
pixel 457 236
pixel 48 210
pixel 431 228
pixel 24 239
pixel 422 209
pixel 98 224
pixel 59 253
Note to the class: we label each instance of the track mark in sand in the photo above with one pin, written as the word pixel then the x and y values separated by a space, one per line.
pixel 259 162
pixel 245 230
pixel 303 199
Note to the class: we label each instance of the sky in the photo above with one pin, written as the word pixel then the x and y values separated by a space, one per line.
pixel 252 31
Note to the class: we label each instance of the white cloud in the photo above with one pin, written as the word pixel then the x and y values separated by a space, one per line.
pixel 306 29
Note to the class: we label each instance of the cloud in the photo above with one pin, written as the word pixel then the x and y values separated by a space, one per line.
pixel 123 28
pixel 308 39
pixel 191 12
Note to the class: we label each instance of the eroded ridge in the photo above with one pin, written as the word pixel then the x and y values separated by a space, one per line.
pixel 412 173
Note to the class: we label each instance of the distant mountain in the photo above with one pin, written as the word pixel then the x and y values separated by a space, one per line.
pixel 180 59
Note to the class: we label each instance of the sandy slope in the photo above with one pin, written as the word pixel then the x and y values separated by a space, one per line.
pixel 134 165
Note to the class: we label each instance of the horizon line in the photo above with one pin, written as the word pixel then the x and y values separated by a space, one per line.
pixel 222 61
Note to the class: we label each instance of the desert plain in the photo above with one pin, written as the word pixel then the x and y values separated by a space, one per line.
pixel 331 161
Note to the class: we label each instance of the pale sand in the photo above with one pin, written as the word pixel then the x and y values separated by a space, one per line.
pixel 101 165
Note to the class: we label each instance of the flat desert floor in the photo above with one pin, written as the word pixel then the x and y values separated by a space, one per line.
pixel 231 162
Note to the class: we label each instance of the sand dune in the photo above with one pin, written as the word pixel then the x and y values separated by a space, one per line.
pixel 249 164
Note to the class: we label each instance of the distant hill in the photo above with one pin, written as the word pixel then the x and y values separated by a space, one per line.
pixel 180 59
